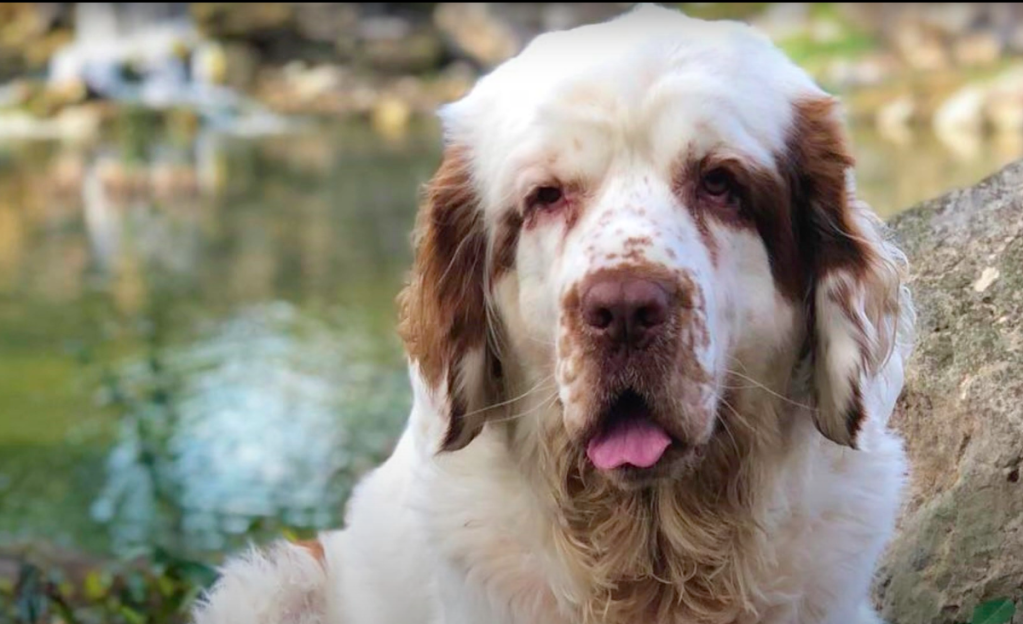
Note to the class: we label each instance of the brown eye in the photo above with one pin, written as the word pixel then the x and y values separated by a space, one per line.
pixel 545 197
pixel 718 183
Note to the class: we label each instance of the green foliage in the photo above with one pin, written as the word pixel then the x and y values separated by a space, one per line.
pixel 723 10
pixel 994 612
pixel 158 589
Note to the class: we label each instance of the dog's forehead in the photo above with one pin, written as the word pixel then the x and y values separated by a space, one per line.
pixel 653 73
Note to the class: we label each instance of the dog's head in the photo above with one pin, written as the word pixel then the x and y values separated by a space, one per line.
pixel 643 216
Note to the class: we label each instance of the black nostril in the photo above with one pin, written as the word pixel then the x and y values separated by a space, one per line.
pixel 601 318
pixel 651 316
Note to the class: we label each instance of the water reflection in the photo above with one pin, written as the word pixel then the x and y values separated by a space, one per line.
pixel 197 331
pixel 191 363
pixel 895 176
pixel 270 414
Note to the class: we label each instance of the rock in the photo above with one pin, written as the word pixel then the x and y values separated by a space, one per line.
pixel 1007 20
pixel 307 84
pixel 402 50
pixel 390 116
pixel 228 20
pixel 1005 102
pixel 951 18
pixel 321 21
pixel 565 15
pixel 866 71
pixel 894 119
pixel 922 48
pixel 475 32
pixel 233 64
pixel 209 63
pixel 977 49
pixel 16 93
pixel 961 532
pixel 783 20
pixel 29 34
pixel 1015 39
pixel 963 111
pixel 74 124
pixel 455 81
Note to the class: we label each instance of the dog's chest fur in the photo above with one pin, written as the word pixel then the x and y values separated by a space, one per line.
pixel 520 563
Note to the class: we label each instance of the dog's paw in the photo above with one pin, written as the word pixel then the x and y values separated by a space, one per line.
pixel 283 584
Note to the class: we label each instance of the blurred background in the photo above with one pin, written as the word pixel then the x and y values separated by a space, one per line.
pixel 204 220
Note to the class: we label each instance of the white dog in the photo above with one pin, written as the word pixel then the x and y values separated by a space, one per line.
pixel 655 341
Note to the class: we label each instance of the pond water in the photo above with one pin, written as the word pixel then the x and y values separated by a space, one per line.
pixel 196 367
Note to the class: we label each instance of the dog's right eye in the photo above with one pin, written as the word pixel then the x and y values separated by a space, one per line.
pixel 545 198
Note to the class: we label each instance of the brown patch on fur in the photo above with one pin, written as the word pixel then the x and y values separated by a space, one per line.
pixel 315 548
pixel 834 237
pixel 761 205
pixel 506 243
pixel 443 307
pixel 635 255
pixel 801 210
pixel 855 414
pixel 458 433
pixel 817 163
pixel 638 241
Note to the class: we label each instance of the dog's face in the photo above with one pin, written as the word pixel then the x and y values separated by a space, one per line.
pixel 649 214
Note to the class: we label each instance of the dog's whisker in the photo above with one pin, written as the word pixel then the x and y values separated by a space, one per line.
pixel 727 427
pixel 545 404
pixel 763 387
pixel 536 387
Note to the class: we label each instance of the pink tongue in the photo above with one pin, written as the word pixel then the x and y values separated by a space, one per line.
pixel 635 441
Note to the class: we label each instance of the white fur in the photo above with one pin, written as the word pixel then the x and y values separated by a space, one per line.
pixel 467 537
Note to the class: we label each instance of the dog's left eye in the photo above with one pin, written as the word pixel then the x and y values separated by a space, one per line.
pixel 545 197
pixel 718 183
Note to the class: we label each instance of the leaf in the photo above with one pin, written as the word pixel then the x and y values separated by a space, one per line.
pixel 994 612
pixel 197 573
pixel 94 586
pixel 132 616
pixel 189 599
pixel 65 612
pixel 166 586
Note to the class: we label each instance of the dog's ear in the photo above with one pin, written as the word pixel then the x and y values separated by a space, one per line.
pixel 854 281
pixel 443 307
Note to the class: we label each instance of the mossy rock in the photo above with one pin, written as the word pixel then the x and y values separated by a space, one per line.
pixel 961 413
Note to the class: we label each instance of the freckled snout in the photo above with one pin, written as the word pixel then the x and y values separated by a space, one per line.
pixel 626 310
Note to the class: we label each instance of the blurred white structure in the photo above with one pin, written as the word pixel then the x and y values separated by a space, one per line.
pixel 152 55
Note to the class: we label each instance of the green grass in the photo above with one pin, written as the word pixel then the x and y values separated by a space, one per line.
pixel 805 50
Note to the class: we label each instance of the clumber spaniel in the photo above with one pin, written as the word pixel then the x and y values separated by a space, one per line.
pixel 654 342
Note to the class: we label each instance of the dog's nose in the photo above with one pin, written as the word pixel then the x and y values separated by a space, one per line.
pixel 625 309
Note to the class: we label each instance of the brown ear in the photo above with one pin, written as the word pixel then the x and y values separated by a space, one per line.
pixel 854 281
pixel 443 308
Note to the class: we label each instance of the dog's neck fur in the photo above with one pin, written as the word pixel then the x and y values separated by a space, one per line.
pixel 684 550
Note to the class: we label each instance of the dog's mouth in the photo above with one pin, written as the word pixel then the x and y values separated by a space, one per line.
pixel 629 436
